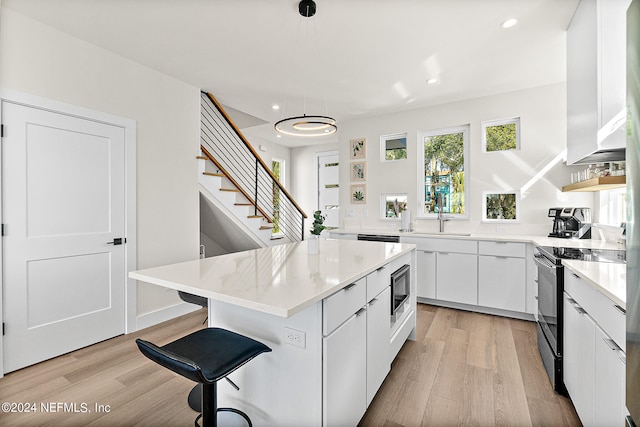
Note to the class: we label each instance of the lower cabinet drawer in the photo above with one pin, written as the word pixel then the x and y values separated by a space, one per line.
pixel 337 308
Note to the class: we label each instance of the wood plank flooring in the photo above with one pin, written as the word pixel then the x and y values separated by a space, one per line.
pixel 464 369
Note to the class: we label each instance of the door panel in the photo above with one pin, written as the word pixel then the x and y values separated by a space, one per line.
pixel 63 200
pixel 328 189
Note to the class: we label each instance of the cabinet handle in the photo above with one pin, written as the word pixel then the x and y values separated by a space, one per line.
pixel 575 275
pixel 501 257
pixel 620 309
pixel 580 309
pixel 611 344
pixel 349 287
pixel 361 312
pixel 622 357
pixel 536 297
pixel 427 252
pixel 381 268
pixel 373 301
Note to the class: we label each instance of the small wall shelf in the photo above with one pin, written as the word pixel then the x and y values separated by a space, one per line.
pixel 597 184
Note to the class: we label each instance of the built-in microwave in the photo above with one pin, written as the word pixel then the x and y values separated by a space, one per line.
pixel 400 290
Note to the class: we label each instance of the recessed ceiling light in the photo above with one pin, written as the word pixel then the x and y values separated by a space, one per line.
pixel 278 135
pixel 275 107
pixel 432 81
pixel 509 23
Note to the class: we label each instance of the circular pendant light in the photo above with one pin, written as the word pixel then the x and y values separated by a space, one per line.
pixel 307 125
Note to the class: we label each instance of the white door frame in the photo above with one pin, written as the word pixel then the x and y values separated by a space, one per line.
pixel 129 127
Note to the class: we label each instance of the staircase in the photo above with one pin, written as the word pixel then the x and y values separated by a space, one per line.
pixel 236 180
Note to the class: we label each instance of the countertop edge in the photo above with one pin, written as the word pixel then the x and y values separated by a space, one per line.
pixel 575 268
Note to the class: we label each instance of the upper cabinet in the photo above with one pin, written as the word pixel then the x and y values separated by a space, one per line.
pixel 596 82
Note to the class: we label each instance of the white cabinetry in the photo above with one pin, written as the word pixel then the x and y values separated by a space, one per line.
pixel 426 274
pixel 378 349
pixel 594 362
pixel 502 275
pixel 579 358
pixel 457 278
pixel 596 67
pixel 356 346
pixel 344 372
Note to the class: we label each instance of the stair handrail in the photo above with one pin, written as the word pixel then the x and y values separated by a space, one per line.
pixel 255 154
pixel 235 184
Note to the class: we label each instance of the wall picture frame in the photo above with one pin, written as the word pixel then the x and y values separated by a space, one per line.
pixel 358 171
pixel 501 206
pixel 358 148
pixel 358 194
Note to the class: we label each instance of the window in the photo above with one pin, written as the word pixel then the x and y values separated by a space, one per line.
pixel 443 181
pixel 277 167
pixel 501 135
pixel 393 147
pixel 500 206
pixel 393 205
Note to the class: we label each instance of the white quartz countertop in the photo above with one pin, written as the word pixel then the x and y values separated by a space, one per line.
pixel 608 278
pixel 281 280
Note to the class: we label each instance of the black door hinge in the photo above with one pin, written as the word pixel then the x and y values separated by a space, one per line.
pixel 1 131
pixel 2 328
pixel 2 230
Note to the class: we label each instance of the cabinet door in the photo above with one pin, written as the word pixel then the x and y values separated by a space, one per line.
pixel 426 274
pixel 457 277
pixel 502 282
pixel 579 360
pixel 609 382
pixel 378 346
pixel 344 391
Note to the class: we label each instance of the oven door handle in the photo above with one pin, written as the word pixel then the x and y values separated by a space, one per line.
pixel 544 262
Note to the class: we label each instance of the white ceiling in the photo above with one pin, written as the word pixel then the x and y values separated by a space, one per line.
pixel 375 55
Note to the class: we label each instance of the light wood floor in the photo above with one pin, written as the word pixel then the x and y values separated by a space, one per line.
pixel 464 369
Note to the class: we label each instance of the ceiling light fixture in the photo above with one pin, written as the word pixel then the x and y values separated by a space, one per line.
pixel 509 23
pixel 306 125
pixel 432 81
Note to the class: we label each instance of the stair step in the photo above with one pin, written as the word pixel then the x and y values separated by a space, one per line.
pixel 242 204
pixel 231 190
pixel 255 216
pixel 266 227
pixel 277 237
pixel 202 158
pixel 221 175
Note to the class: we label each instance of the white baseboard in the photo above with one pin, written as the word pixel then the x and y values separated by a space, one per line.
pixel 164 314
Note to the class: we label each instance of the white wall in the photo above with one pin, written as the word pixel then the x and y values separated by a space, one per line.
pixel 542 113
pixel 39 60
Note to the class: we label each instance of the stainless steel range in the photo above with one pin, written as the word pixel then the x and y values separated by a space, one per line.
pixel 550 311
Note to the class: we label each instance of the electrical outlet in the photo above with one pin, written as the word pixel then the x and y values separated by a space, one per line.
pixel 350 213
pixel 501 229
pixel 296 338
pixel 365 213
pixel 392 225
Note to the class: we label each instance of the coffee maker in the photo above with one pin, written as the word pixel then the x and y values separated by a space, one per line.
pixel 571 223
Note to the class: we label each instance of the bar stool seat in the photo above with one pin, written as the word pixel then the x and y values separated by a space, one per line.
pixel 206 356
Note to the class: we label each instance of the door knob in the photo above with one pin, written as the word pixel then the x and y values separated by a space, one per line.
pixel 117 241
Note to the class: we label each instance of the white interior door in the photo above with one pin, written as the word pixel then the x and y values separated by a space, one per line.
pixel 64 204
pixel 328 189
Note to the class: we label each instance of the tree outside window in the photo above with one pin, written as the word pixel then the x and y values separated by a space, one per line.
pixel 445 161
pixel 501 135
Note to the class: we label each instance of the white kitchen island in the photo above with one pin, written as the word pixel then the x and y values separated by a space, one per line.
pixel 325 316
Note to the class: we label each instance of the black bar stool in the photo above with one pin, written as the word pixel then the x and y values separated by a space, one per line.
pixel 206 356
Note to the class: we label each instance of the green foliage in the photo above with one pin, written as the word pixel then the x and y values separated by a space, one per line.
pixel 318 220
pixel 501 137
pixel 444 164
pixel 275 168
pixel 395 154
pixel 501 206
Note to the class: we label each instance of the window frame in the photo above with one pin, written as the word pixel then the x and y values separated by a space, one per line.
pixel 383 205
pixel 517 219
pixel 383 146
pixel 465 129
pixel 499 122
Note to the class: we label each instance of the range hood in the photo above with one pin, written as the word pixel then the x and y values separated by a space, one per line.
pixel 611 139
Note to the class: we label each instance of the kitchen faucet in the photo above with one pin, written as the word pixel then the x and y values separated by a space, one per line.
pixel 441 218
